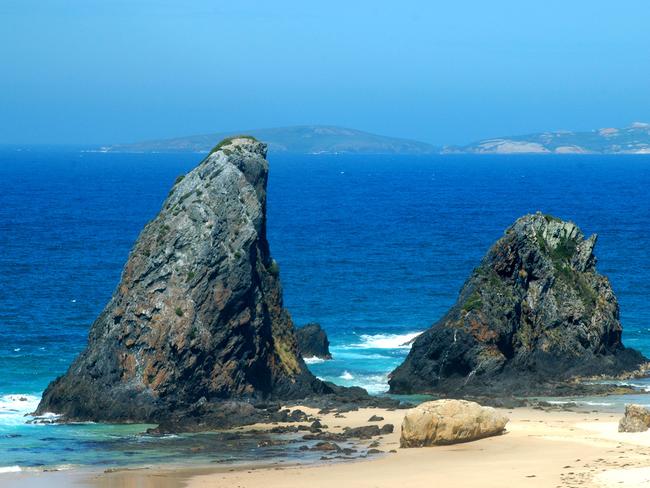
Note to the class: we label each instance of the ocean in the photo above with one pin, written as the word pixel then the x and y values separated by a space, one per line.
pixel 374 248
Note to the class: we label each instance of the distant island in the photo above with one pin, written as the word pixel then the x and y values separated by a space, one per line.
pixel 326 139
pixel 634 139
pixel 305 139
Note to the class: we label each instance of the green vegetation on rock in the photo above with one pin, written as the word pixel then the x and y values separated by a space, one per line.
pixel 274 268
pixel 474 302
pixel 228 140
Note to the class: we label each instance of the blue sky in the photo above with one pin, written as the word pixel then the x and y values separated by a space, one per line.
pixel 104 71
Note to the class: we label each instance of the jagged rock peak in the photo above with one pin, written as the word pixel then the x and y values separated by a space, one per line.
pixel 532 317
pixel 558 240
pixel 198 316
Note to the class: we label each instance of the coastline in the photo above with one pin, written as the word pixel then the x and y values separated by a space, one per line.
pixel 540 448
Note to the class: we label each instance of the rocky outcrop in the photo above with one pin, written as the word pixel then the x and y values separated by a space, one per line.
pixel 636 419
pixel 533 317
pixel 313 342
pixel 197 320
pixel 443 422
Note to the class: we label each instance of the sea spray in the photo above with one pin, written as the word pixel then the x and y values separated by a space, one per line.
pixel 386 341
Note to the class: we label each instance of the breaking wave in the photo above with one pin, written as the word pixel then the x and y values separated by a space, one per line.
pixel 14 407
pixel 386 341
pixel 313 360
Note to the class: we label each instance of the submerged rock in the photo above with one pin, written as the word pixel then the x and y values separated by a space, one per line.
pixel 197 318
pixel 443 422
pixel 313 342
pixel 636 419
pixel 531 319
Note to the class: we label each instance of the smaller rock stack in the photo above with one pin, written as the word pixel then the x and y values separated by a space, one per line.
pixel 533 317
pixel 313 342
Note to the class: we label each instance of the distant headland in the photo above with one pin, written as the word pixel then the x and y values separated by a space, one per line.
pixel 304 139
pixel 634 139
pixel 326 139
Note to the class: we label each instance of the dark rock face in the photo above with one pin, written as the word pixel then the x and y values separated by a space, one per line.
pixel 533 316
pixel 365 432
pixel 313 342
pixel 197 318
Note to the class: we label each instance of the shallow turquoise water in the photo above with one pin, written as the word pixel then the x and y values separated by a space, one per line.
pixel 373 248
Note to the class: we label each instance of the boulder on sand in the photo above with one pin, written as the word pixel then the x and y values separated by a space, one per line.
pixel 636 419
pixel 443 422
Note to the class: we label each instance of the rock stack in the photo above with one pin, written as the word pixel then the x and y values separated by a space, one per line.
pixel 313 342
pixel 197 319
pixel 534 317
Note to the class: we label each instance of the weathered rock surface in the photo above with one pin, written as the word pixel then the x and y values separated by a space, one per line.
pixel 443 422
pixel 197 319
pixel 531 319
pixel 326 446
pixel 636 419
pixel 313 342
pixel 363 432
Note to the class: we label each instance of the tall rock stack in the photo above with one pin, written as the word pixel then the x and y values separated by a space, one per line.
pixel 197 318
pixel 532 318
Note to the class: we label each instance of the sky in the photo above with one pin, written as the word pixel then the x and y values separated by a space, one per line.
pixel 111 71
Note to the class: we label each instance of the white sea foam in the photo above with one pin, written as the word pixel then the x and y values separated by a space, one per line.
pixel 581 402
pixel 51 418
pixel 386 341
pixel 373 384
pixel 14 407
pixel 10 469
pixel 18 401
pixel 314 360
pixel 352 353
pixel 643 387
pixel 599 404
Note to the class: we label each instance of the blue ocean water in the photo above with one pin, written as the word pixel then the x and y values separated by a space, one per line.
pixel 374 248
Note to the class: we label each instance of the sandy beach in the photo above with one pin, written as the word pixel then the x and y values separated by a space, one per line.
pixel 539 449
